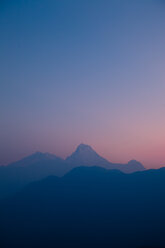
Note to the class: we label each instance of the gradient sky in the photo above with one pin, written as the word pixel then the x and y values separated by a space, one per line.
pixel 90 71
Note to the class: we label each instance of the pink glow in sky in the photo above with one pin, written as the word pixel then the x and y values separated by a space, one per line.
pixel 90 71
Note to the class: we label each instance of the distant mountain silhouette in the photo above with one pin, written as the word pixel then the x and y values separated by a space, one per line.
pixel 34 167
pixel 88 207
pixel 85 155
pixel 131 166
pixel 39 165
pixel 35 158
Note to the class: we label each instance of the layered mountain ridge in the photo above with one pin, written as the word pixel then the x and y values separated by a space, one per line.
pixel 85 155
pixel 40 165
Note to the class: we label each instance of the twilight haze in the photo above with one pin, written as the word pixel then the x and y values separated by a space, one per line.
pixel 90 71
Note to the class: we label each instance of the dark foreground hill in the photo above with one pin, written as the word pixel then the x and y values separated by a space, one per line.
pixel 34 167
pixel 40 165
pixel 88 207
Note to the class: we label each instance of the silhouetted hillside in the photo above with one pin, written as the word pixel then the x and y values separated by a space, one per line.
pixel 88 207
pixel 35 167
pixel 40 165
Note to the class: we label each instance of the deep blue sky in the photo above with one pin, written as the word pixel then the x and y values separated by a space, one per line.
pixel 89 71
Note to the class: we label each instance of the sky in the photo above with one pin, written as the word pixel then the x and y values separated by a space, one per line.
pixel 83 71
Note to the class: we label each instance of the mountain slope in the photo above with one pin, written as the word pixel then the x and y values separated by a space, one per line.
pixel 34 167
pixel 39 165
pixel 85 155
pixel 88 207
pixel 35 158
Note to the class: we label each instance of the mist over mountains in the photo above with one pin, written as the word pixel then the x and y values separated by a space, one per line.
pixel 39 165
pixel 82 201
pixel 84 155
pixel 92 71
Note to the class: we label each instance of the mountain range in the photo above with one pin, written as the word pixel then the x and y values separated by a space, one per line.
pixel 82 201
pixel 84 155
pixel 39 165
